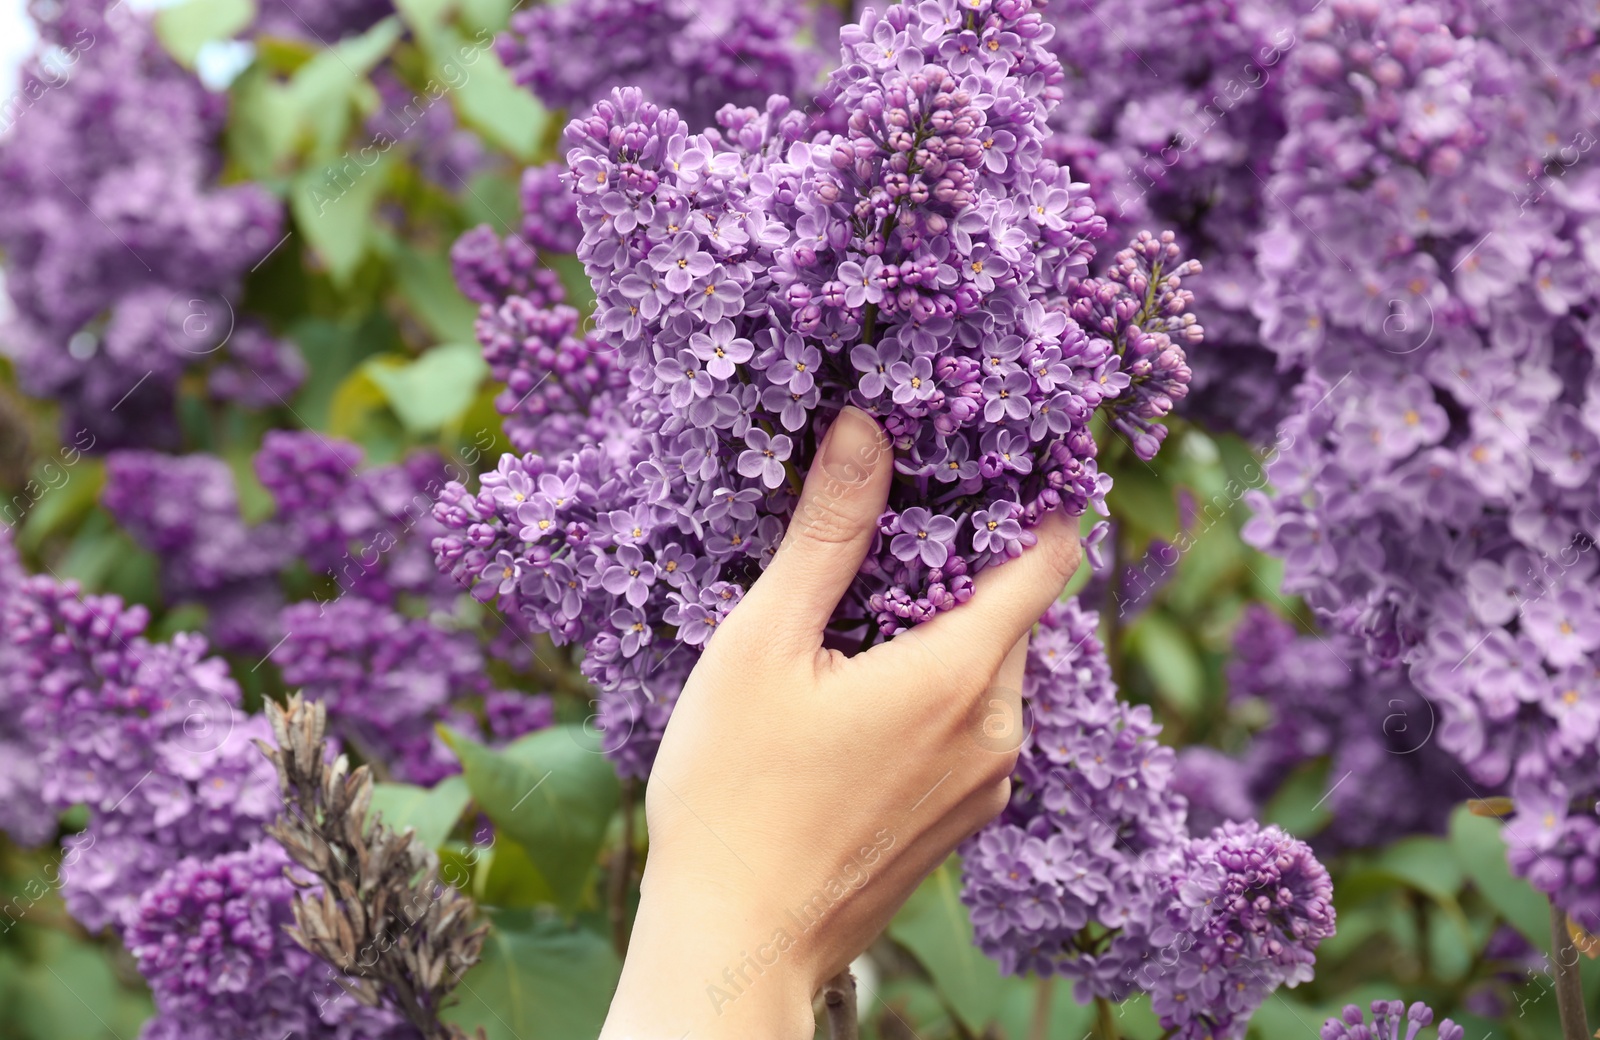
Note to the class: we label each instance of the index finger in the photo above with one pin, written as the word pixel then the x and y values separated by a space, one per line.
pixel 970 642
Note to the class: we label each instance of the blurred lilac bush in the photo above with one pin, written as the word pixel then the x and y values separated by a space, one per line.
pixel 124 252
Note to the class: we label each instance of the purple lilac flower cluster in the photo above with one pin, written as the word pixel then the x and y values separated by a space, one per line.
pixel 209 937
pixel 550 209
pixel 1091 871
pixel 369 529
pixel 24 815
pixel 1328 700
pixel 123 253
pixel 1435 492
pixel 388 679
pixel 562 389
pixel 1388 1016
pixel 185 509
pixel 925 263
pixel 143 733
pixel 1171 111
pixel 151 737
pixel 690 55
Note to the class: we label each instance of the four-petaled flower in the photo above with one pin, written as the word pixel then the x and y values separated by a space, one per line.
pixel 923 536
pixel 764 457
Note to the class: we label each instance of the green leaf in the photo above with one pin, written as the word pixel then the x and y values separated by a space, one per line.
pixel 1481 853
pixel 509 879
pixel 112 562
pixel 1285 1015
pixel 1267 574
pixel 1170 657
pixel 69 992
pixel 184 28
pixel 1144 503
pixel 323 91
pixel 1426 863
pixel 263 124
pixel 333 352
pixel 354 403
pixel 935 927
pixel 429 289
pixel 423 16
pixel 1300 805
pixel 1450 944
pixel 553 794
pixel 431 813
pixel 434 390
pixel 55 509
pixel 495 199
pixel 484 94
pixel 492 15
pixel 333 208
pixel 538 980
pixel 1020 1001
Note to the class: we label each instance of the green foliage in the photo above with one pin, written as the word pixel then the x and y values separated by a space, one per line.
pixel 1171 659
pixel 429 289
pixel 934 926
pixel 187 27
pixel 1300 805
pixel 484 94
pixel 432 391
pixel 1481 854
pixel 550 792
pixel 432 813
pixel 62 988
pixel 1426 863
pixel 333 208
pixel 539 980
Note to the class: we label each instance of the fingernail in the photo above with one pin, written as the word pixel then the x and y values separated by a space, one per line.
pixel 853 446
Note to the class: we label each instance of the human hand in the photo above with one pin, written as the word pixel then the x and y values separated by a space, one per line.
pixel 799 796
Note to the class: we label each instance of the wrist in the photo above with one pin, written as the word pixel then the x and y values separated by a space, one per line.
pixel 701 964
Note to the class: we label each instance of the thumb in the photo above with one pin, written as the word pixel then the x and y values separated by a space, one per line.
pixel 832 529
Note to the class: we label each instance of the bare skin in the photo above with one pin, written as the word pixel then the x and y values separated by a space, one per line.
pixel 800 796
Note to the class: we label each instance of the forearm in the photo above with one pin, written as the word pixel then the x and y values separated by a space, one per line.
pixel 709 975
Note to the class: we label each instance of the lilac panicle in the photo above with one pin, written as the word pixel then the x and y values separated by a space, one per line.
pixel 1389 1017
pixel 915 255
pixel 1434 493
pixel 24 813
pixel 123 250
pixel 1327 699
pixel 388 681
pixel 151 738
pixel 1092 873
pixel 690 55
pixel 1171 110
pixel 185 509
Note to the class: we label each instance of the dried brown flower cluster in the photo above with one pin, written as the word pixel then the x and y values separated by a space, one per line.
pixel 402 937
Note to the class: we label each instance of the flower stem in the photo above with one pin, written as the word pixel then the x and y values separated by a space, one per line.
pixel 1039 1029
pixel 869 324
pixel 1564 966
pixel 1105 1020
pixel 839 997
pixel 622 873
